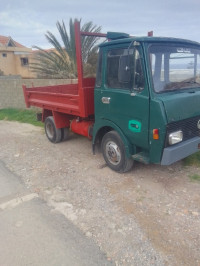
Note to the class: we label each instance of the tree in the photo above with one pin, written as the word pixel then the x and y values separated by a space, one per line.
pixel 60 61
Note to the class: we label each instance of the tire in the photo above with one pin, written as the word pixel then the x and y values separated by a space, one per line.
pixel 114 153
pixel 65 133
pixel 53 134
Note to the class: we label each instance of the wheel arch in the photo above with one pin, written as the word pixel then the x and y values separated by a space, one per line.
pixel 61 120
pixel 46 113
pixel 100 130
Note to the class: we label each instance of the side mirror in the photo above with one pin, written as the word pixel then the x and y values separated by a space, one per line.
pixel 124 73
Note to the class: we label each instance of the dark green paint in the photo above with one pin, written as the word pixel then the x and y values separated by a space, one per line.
pixel 181 106
pixel 158 121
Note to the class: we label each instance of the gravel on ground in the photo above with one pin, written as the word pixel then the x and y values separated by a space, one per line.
pixel 149 216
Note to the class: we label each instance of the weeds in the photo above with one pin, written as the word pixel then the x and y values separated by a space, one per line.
pixel 195 177
pixel 20 115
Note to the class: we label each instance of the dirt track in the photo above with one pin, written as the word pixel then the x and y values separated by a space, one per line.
pixel 150 216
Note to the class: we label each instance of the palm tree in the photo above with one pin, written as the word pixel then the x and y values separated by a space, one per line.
pixel 60 62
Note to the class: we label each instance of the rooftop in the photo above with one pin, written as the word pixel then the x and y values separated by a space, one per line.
pixel 9 42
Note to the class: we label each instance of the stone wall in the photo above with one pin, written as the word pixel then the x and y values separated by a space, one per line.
pixel 11 92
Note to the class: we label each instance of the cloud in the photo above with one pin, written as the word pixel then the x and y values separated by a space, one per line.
pixel 26 29
pixel 28 21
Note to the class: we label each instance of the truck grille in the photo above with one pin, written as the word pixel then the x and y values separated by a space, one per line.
pixel 188 127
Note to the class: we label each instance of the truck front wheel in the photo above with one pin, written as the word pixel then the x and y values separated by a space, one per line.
pixel 53 134
pixel 114 153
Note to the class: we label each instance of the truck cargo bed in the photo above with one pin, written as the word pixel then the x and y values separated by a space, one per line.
pixel 74 99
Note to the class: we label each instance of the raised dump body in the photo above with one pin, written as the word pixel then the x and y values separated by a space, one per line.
pixel 69 99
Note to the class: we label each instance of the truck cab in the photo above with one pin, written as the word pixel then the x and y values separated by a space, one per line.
pixel 147 100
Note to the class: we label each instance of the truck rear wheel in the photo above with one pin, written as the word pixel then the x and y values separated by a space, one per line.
pixel 114 153
pixel 53 134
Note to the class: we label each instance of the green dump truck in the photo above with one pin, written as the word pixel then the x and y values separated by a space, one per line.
pixel 143 106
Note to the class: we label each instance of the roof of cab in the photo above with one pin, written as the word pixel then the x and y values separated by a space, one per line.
pixel 147 39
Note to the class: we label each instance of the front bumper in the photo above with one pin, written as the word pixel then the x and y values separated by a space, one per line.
pixel 179 151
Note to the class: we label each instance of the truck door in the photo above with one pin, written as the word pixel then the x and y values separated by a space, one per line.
pixel 118 101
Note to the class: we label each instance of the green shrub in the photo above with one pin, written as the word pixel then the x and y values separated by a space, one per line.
pixel 20 115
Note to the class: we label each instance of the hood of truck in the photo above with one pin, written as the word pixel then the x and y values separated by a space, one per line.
pixel 181 105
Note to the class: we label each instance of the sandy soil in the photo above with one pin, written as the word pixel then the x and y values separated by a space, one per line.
pixel 149 216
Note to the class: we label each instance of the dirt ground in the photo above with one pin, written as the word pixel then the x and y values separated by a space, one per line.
pixel 149 216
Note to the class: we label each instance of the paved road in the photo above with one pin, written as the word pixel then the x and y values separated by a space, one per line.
pixel 31 233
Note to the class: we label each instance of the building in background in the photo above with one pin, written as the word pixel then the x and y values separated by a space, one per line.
pixel 15 58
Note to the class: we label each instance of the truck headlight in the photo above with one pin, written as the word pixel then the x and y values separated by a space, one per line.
pixel 175 137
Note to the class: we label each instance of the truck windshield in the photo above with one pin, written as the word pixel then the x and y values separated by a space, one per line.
pixel 174 67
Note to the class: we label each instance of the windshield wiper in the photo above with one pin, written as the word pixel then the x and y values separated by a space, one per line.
pixel 179 85
pixel 191 81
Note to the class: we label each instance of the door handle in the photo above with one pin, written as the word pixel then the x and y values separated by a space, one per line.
pixel 105 100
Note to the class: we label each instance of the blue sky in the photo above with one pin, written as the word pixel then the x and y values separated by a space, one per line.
pixel 27 21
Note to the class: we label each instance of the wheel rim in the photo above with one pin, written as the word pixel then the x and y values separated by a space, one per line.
pixel 49 130
pixel 113 153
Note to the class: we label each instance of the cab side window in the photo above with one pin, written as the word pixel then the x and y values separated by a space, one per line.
pixel 112 77
pixel 134 67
